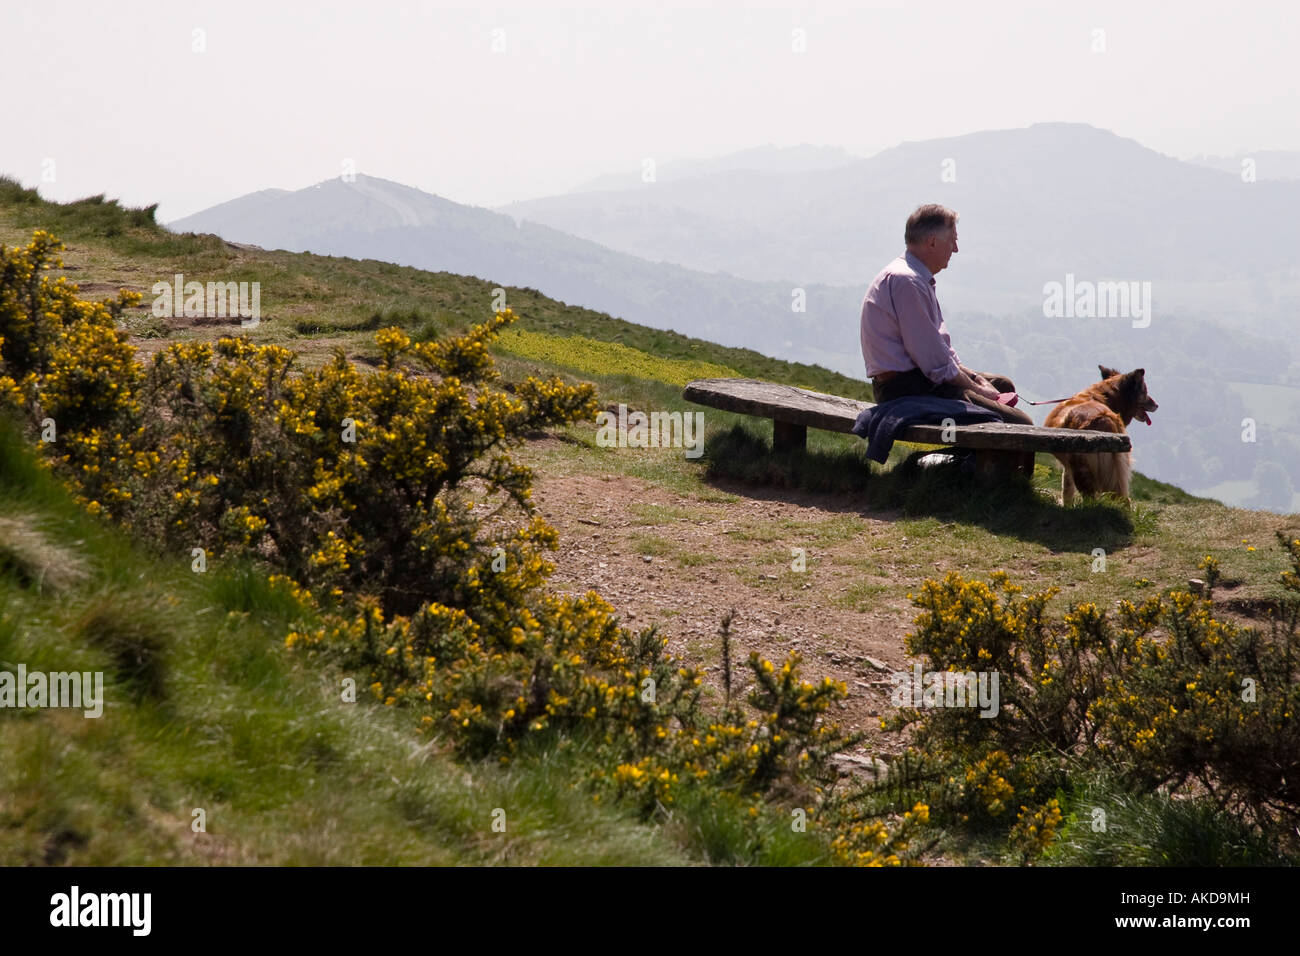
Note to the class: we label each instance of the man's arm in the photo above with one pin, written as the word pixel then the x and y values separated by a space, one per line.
pixel 918 328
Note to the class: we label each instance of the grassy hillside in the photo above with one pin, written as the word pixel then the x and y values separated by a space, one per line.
pixel 217 715
pixel 205 710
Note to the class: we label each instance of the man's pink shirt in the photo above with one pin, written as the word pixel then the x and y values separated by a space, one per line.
pixel 902 324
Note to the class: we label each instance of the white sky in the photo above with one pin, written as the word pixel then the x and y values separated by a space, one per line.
pixel 115 95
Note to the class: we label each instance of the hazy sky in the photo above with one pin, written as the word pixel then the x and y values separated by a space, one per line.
pixel 118 97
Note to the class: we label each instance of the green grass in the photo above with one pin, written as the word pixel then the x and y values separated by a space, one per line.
pixel 656 546
pixel 206 710
pixel 861 595
pixel 1107 826
pixel 591 356
pixel 647 544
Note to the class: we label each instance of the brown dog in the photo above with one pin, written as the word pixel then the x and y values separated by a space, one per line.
pixel 1107 406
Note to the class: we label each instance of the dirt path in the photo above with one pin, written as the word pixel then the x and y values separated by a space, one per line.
pixel 716 557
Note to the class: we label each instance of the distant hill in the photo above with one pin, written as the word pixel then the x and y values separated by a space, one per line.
pixel 285 219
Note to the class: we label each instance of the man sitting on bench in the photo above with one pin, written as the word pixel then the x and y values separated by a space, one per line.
pixel 904 342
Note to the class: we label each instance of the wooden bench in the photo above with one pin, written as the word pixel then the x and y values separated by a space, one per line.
pixel 998 446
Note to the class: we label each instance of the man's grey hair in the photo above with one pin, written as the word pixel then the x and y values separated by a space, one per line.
pixel 928 220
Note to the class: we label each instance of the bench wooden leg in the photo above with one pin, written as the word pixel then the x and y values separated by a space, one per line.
pixel 787 437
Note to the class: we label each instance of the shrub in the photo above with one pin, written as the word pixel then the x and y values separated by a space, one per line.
pixel 1163 695
pixel 1207 702
pixel 568 668
pixel 37 311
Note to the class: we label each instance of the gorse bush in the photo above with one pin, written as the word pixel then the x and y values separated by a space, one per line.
pixel 1161 695
pixel 396 530
pixel 350 481
pixel 568 669
pixel 360 482
pixel 66 364
pixel 1209 702
pixel 45 329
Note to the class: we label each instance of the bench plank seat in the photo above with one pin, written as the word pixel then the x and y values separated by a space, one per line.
pixel 794 410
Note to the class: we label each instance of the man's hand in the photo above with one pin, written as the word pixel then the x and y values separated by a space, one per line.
pixel 985 387
pixel 974 382
pixel 980 384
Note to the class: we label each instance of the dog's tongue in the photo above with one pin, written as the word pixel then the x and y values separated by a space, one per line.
pixel 1143 416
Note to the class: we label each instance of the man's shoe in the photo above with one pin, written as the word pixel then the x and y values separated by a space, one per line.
pixel 936 460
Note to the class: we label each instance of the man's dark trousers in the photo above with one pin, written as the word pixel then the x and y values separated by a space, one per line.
pixel 915 382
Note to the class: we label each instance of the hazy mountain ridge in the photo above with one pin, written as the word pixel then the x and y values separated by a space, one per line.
pixel 1132 213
